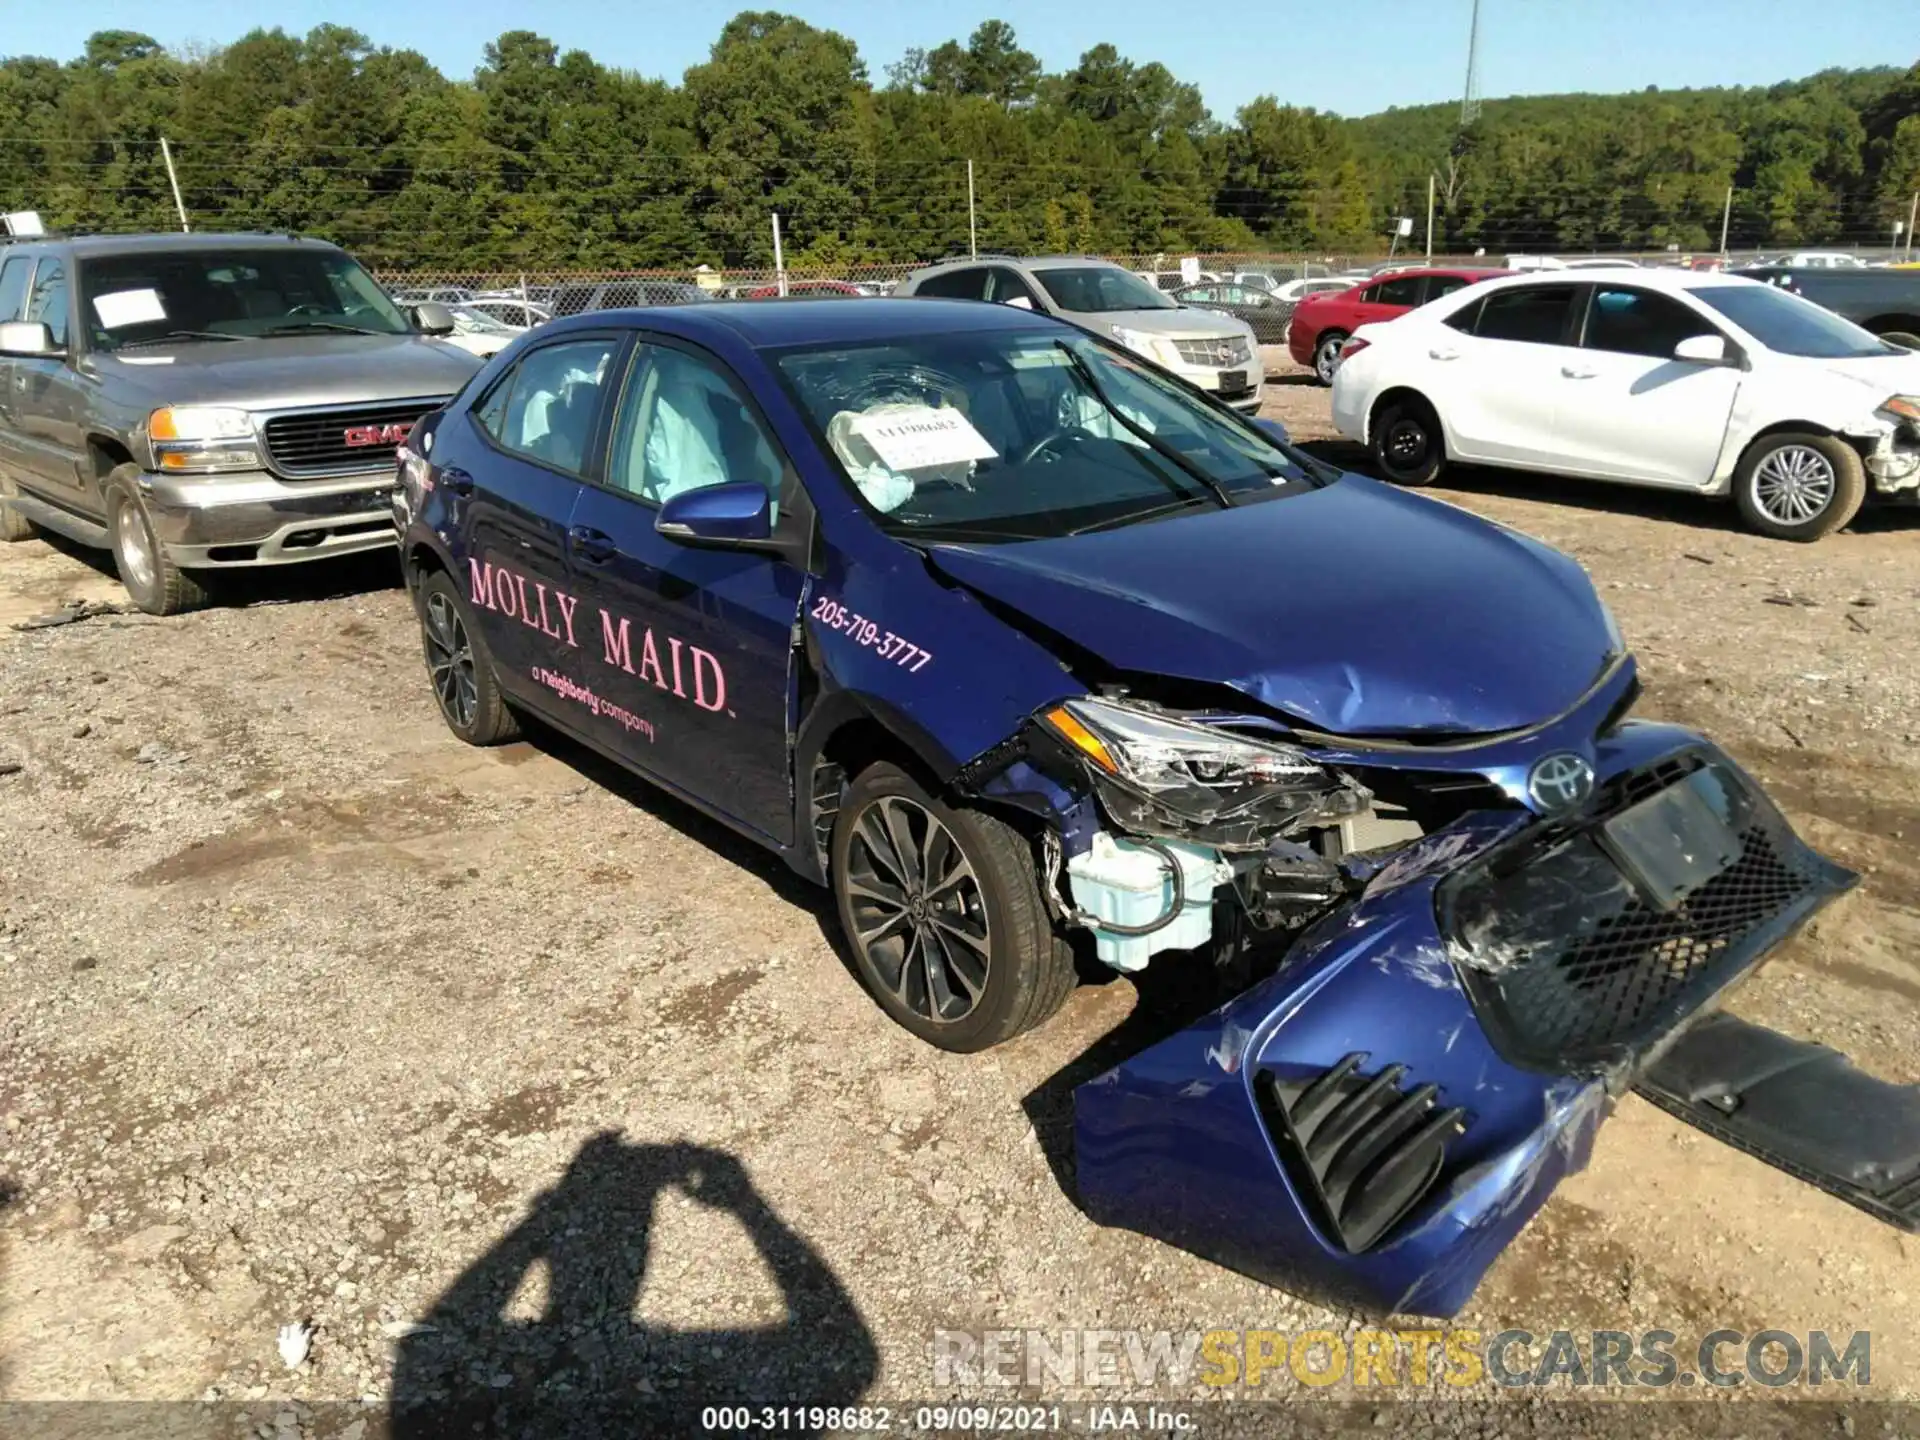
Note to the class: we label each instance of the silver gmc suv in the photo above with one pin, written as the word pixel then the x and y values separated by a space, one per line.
pixel 200 402
pixel 1214 352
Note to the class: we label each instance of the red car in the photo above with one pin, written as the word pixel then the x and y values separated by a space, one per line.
pixel 1322 323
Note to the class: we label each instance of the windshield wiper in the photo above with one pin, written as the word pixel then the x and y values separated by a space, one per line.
pixel 298 326
pixel 177 335
pixel 1152 441
pixel 1114 522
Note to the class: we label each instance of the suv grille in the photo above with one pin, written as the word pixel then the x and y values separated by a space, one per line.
pixel 1219 354
pixel 342 441
pixel 1573 967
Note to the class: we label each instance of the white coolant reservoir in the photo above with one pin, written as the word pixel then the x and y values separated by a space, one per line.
pixel 1124 883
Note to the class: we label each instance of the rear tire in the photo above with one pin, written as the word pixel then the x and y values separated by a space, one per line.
pixel 155 583
pixel 1799 486
pixel 13 525
pixel 959 945
pixel 1326 355
pixel 1905 339
pixel 1408 445
pixel 461 667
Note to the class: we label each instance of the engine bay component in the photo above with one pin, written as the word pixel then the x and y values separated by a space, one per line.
pixel 1142 897
pixel 1160 775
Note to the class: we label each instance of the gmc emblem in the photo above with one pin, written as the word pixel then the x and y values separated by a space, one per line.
pixel 360 436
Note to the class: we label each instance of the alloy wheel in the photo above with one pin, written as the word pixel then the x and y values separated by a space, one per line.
pixel 1327 359
pixel 450 662
pixel 1794 484
pixel 133 548
pixel 919 917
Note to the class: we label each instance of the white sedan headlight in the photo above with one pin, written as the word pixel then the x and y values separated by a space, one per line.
pixel 1160 775
pixel 202 439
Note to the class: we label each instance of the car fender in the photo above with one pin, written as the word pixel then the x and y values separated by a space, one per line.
pixel 1810 397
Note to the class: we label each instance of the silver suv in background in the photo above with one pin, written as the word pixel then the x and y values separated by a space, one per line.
pixel 201 402
pixel 1213 352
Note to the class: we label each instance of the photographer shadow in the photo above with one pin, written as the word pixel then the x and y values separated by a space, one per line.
pixel 586 1366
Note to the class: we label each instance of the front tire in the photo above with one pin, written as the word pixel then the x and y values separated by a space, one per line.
pixel 461 667
pixel 155 583
pixel 1326 356
pixel 1408 445
pixel 1795 486
pixel 942 911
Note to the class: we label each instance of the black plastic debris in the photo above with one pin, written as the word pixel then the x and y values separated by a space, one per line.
pixel 1800 1107
pixel 72 613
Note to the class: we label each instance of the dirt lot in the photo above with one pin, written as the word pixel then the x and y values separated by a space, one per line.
pixel 309 1013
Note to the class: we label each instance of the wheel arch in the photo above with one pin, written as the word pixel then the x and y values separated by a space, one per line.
pixel 1893 322
pixel 1401 393
pixel 844 732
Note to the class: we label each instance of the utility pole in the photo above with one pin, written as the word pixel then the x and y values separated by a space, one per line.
pixel 973 230
pixel 1913 213
pixel 1429 215
pixel 1726 219
pixel 166 154
pixel 779 263
pixel 1470 97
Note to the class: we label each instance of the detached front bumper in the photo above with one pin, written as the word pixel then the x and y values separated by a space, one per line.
pixel 1377 1121
pixel 254 518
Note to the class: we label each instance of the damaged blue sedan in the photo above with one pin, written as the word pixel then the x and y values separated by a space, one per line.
pixel 1040 657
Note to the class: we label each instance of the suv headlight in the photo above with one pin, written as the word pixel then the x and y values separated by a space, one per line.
pixel 1160 351
pixel 200 439
pixel 1157 775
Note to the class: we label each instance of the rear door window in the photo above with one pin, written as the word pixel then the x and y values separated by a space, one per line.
pixel 970 284
pixel 548 407
pixel 1404 291
pixel 1438 285
pixel 1532 315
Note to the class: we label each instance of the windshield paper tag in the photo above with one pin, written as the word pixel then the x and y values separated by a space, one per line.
pixel 921 437
pixel 129 307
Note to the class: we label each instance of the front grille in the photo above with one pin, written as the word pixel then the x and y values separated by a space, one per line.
pixel 1218 354
pixel 316 442
pixel 1573 967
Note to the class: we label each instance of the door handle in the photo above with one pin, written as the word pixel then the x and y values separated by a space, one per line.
pixel 596 547
pixel 1577 372
pixel 1439 353
pixel 456 481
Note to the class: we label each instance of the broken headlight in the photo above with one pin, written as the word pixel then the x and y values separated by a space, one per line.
pixel 1159 775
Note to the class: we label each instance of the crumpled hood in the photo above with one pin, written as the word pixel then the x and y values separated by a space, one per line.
pixel 1887 374
pixel 292 371
pixel 1356 608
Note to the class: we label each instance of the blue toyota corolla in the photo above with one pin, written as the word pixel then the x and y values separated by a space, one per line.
pixel 1026 648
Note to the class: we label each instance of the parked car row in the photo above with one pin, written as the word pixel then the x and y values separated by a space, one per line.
pixel 957 607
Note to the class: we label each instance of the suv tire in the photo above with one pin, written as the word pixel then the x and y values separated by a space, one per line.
pixel 13 525
pixel 461 667
pixel 1799 486
pixel 1408 445
pixel 155 583
pixel 1326 355
pixel 960 948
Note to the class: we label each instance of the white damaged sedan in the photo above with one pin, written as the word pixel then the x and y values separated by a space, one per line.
pixel 1687 380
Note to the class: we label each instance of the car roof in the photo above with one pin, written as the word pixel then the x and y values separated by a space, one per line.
pixel 85 245
pixel 772 324
pixel 1647 277
pixel 1032 262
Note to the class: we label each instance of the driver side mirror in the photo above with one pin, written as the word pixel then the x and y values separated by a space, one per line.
pixel 433 318
pixel 735 515
pixel 1702 350
pixel 27 338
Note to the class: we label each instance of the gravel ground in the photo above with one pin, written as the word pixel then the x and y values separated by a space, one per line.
pixel 496 1067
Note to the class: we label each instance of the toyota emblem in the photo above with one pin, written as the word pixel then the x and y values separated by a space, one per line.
pixel 1560 782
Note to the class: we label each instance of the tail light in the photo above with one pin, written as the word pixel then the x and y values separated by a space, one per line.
pixel 1351 349
pixel 1359 1149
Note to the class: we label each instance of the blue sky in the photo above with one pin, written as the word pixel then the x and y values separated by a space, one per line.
pixel 1355 57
